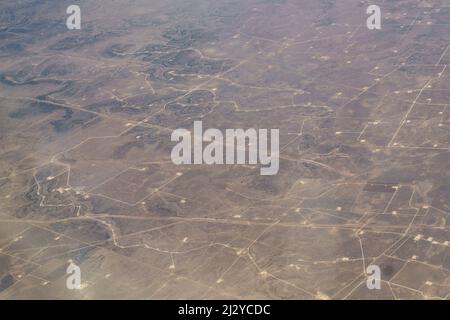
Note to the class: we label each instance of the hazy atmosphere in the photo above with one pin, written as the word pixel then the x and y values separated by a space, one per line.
pixel 216 149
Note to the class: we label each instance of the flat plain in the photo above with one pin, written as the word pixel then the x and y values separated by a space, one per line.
pixel 86 175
